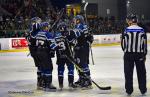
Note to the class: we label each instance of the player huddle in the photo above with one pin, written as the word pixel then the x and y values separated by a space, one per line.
pixel 72 44
pixel 72 47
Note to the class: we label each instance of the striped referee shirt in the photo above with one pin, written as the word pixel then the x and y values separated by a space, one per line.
pixel 134 40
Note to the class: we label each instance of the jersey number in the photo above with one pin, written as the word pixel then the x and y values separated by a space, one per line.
pixel 39 42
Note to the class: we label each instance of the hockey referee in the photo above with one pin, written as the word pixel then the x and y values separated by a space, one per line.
pixel 134 45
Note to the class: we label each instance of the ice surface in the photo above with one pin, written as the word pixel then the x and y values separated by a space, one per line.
pixel 18 75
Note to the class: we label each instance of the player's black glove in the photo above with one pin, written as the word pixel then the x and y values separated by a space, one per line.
pixel 61 46
pixel 52 53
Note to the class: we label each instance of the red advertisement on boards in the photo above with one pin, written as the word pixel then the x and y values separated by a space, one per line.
pixel 19 43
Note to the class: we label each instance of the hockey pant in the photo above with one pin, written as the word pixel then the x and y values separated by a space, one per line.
pixel 61 67
pixel 82 58
pixel 46 66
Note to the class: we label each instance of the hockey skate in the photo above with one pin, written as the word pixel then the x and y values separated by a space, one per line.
pixel 39 83
pixel 61 87
pixel 78 83
pixel 60 79
pixel 70 81
pixel 86 85
pixel 50 88
pixel 143 92
pixel 72 86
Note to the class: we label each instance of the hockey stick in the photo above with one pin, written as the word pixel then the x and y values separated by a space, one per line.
pixel 92 55
pixel 77 66
pixel 61 14
pixel 85 15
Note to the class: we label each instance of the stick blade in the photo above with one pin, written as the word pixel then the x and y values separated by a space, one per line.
pixel 105 88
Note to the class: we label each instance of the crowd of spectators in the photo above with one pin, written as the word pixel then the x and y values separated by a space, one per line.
pixel 107 25
pixel 17 24
pixel 20 12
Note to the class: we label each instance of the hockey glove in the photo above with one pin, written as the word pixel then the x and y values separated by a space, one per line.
pixel 61 46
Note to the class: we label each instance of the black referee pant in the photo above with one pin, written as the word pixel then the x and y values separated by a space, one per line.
pixel 137 59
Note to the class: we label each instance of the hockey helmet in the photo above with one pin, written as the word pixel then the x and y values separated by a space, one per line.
pixel 62 26
pixel 36 20
pixel 79 19
pixel 44 25
pixel 35 23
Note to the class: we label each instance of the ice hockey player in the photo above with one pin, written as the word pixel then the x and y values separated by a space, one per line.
pixel 34 28
pixel 45 42
pixel 82 40
pixel 134 45
pixel 61 39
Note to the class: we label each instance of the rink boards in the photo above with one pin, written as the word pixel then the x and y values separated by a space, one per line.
pixel 21 43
